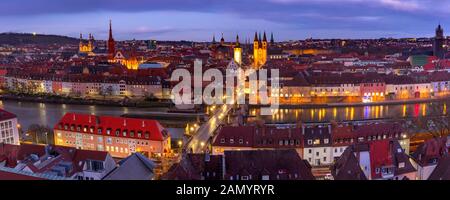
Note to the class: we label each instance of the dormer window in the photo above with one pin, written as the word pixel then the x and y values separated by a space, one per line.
pixel 241 141
pixel 377 170
pixel 231 141
pixel 99 130
pixel 222 140
pixel 147 135
pixel 108 131
pixel 139 134
pixel 131 133
pixel 117 132
pixel 124 133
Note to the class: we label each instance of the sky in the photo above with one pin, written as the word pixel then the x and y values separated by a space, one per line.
pixel 199 20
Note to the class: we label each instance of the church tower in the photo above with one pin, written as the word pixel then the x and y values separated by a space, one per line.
pixel 438 43
pixel 264 49
pixel 86 48
pixel 238 51
pixel 111 42
pixel 260 47
pixel 255 50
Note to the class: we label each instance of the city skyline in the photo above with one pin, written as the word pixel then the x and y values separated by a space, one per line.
pixel 173 20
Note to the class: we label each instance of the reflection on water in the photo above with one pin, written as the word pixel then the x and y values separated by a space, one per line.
pixel 352 113
pixel 48 114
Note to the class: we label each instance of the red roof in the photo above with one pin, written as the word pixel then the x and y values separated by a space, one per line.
pixel 153 128
pixel 14 176
pixel 380 155
pixel 5 115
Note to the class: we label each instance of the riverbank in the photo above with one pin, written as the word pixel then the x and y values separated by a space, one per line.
pixel 82 101
pixel 358 104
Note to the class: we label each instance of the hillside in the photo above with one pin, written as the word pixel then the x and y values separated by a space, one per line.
pixel 27 38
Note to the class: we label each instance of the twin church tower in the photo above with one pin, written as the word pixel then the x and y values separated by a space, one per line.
pixel 260 49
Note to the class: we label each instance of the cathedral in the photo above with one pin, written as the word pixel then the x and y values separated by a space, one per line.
pixel 259 50
pixel 86 48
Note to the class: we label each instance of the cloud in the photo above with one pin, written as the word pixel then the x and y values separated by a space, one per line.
pixel 198 19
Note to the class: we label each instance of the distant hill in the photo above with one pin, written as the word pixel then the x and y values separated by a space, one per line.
pixel 39 39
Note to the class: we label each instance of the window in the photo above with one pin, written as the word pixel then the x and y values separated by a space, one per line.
pixel 377 170
pixel 222 140
pixel 324 150
pixel 124 133
pixel 401 165
pixel 117 132
pixel 231 140
pixel 241 141
pixel 309 142
pixel 108 131
pixel 316 141
pixel 325 159
pixel 147 135
pixel 317 153
pixel 309 151
pixel 326 141
pixel 131 133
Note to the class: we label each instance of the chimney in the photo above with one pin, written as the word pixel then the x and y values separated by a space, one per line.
pixel 124 122
pixel 223 167
pixel 207 156
pixel 143 123
pixel 74 118
pixel 89 119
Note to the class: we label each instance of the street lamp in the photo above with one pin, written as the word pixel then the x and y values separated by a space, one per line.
pixel 180 143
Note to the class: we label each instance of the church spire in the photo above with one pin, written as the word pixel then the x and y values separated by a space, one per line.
pixel 256 37
pixel 214 39
pixel 222 40
pixel 110 30
pixel 272 41
pixel 264 37
pixel 237 41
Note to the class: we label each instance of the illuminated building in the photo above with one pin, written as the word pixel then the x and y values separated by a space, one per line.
pixel 111 42
pixel 8 128
pixel 86 48
pixel 259 50
pixel 238 51
pixel 117 135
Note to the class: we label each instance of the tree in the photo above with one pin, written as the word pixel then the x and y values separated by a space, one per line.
pixel 436 123
pixel 40 134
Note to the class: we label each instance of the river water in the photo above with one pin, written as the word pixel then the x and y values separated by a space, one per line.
pixel 349 113
pixel 48 114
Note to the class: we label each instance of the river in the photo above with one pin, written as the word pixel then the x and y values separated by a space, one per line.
pixel 48 114
pixel 349 113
